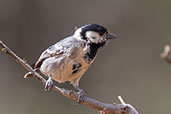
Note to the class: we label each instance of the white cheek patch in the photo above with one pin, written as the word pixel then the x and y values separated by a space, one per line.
pixel 91 34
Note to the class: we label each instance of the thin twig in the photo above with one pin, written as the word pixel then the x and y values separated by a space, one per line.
pixel 105 108
pixel 121 100
pixel 165 53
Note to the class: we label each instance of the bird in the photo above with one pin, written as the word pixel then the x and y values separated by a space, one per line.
pixel 69 59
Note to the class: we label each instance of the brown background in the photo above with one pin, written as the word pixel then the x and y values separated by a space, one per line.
pixel 129 66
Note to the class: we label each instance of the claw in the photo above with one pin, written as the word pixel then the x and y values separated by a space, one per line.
pixel 49 84
pixel 80 95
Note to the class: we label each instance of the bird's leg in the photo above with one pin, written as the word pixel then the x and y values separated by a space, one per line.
pixel 49 83
pixel 80 94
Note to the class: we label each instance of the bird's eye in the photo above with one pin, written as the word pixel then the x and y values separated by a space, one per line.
pixel 93 37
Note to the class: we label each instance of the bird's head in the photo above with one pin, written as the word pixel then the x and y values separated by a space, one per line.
pixel 94 33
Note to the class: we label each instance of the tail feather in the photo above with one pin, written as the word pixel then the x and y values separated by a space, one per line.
pixel 39 63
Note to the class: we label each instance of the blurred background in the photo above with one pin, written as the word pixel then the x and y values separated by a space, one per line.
pixel 129 66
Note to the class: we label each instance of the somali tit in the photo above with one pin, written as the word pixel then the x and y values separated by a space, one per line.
pixel 69 59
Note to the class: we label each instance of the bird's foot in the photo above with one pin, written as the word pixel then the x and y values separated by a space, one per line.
pixel 49 84
pixel 80 97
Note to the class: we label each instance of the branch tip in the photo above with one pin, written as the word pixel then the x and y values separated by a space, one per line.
pixel 164 54
pixel 121 100
pixel 1 44
pixel 28 75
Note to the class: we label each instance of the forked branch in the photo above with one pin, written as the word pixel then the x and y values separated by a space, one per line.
pixel 103 108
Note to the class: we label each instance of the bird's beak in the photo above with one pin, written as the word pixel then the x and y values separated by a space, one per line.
pixel 110 36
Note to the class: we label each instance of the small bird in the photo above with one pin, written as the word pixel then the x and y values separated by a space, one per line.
pixel 69 59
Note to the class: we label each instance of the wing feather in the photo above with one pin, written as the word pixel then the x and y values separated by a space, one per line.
pixel 53 51
pixel 57 50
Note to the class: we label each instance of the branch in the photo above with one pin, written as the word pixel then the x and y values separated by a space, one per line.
pixel 165 53
pixel 102 107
